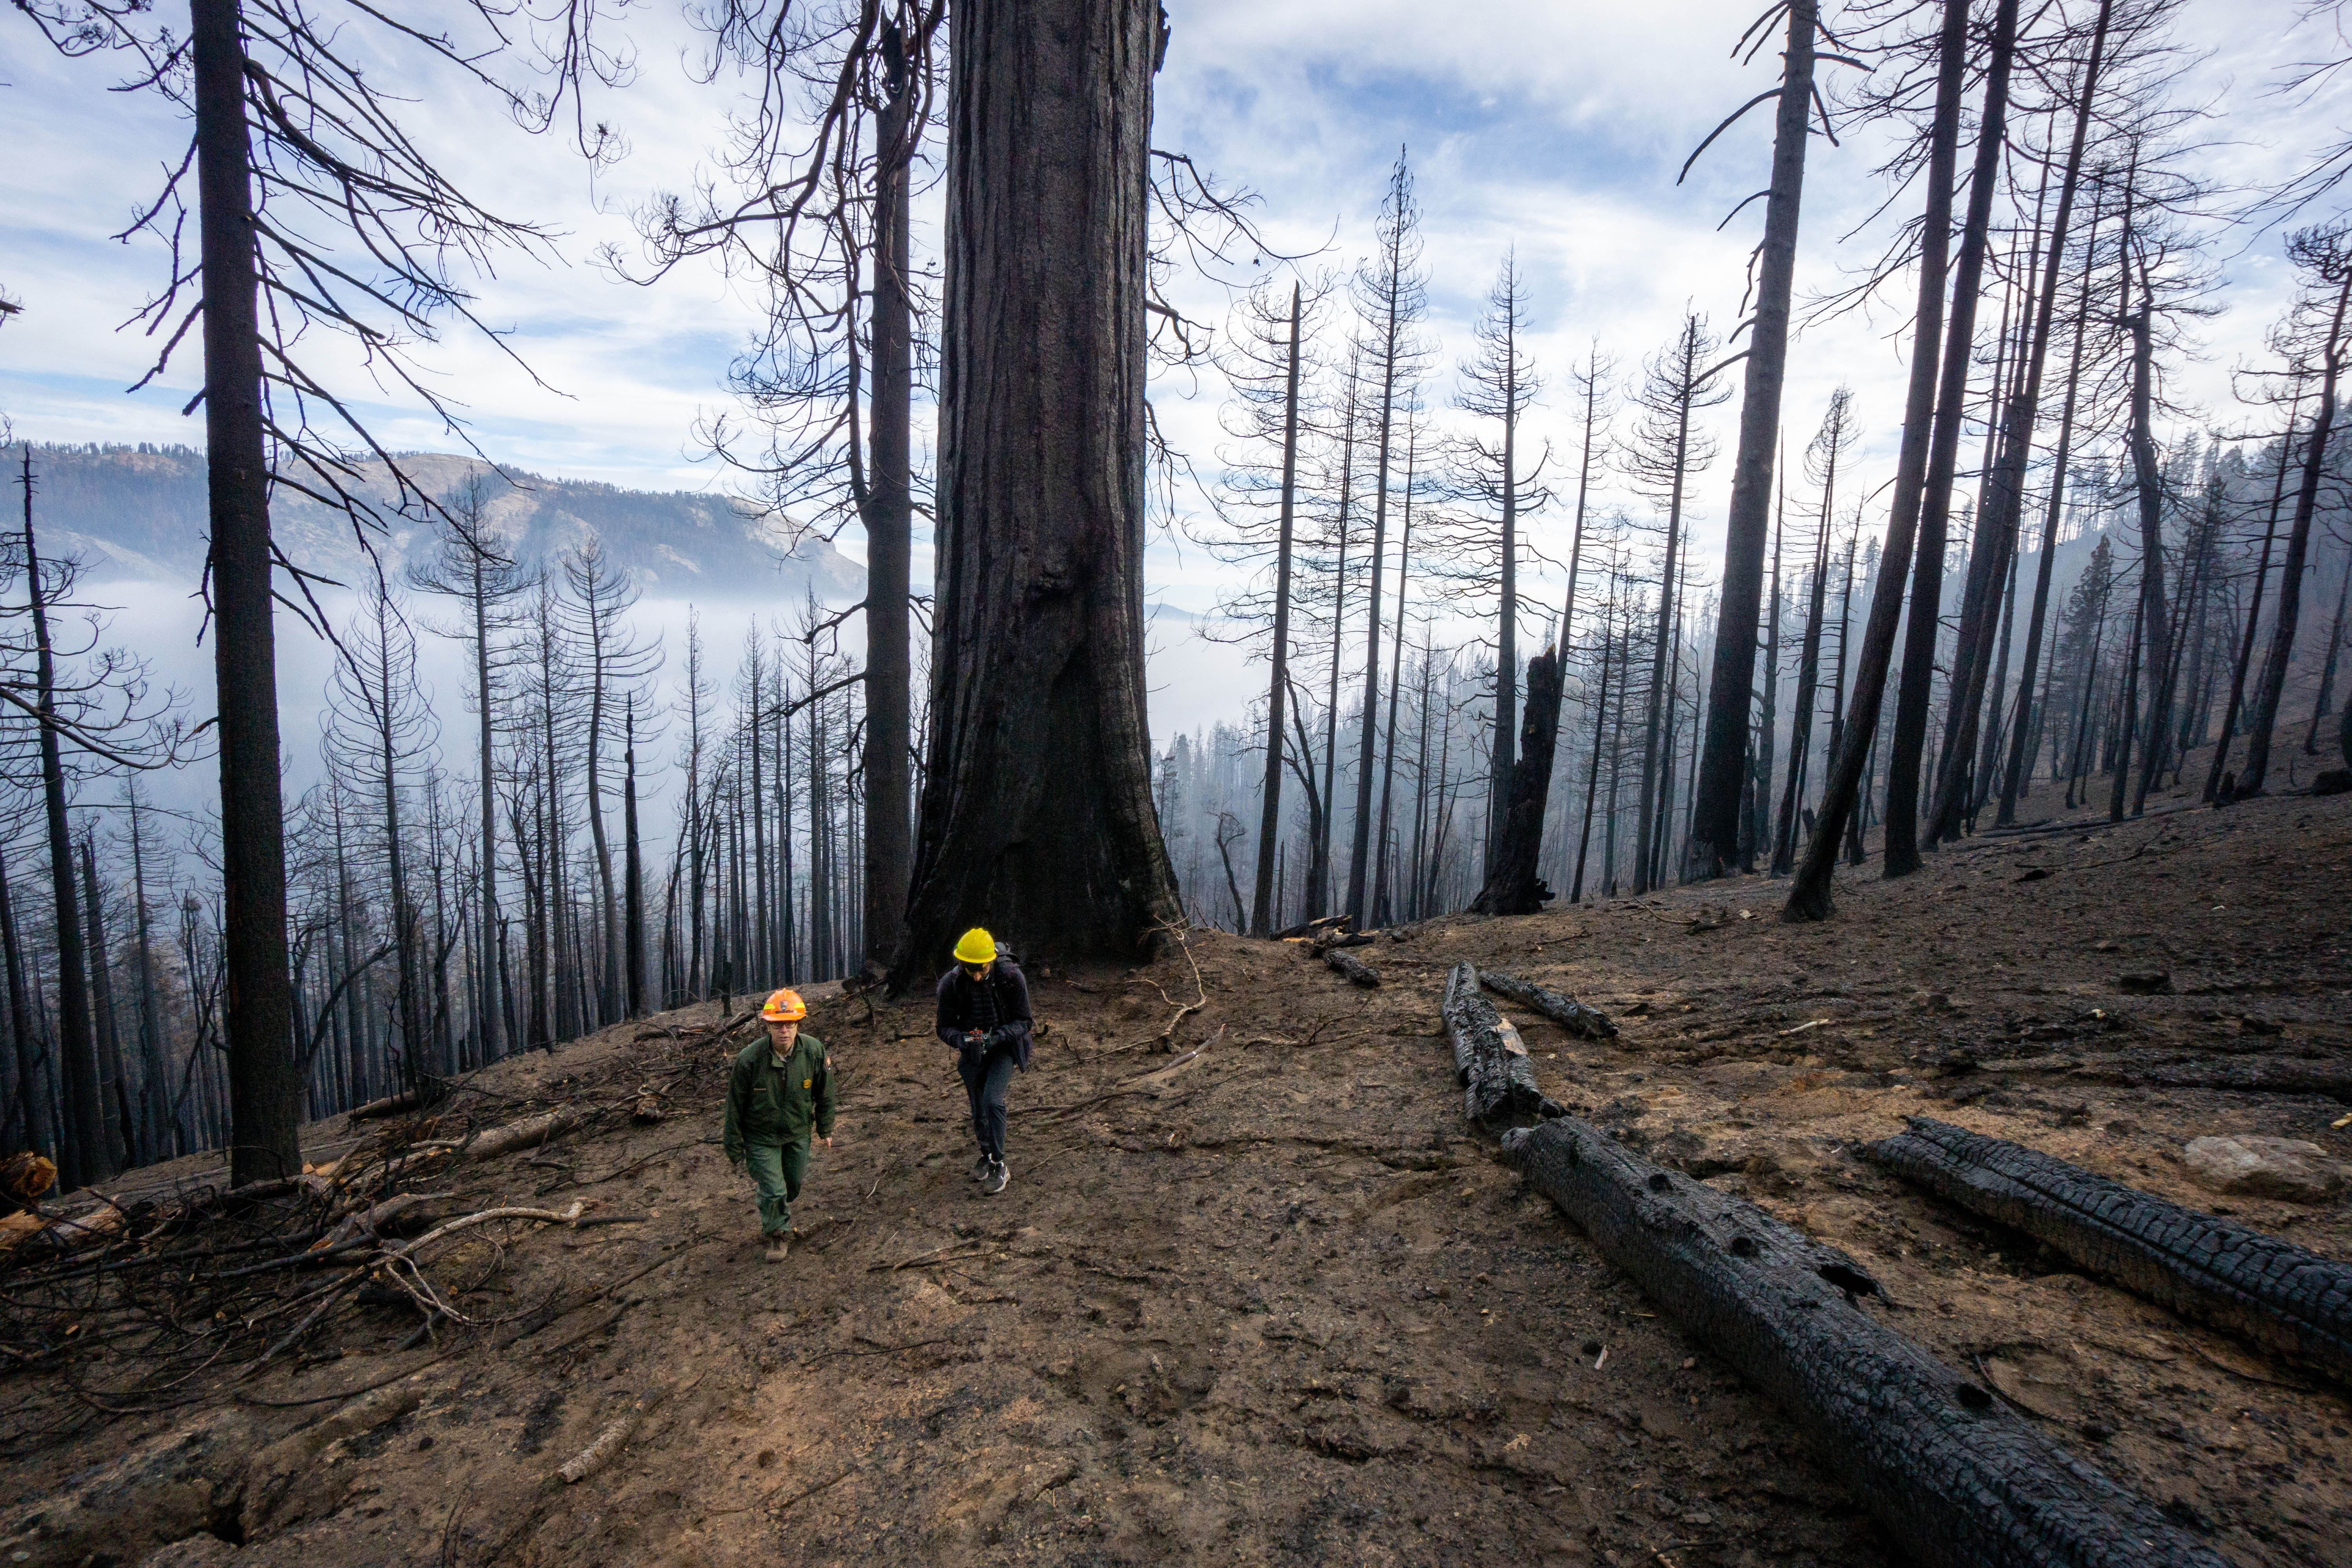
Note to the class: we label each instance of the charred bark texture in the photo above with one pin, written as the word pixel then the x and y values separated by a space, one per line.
pixel 1514 888
pixel 258 1000
pixel 1946 1468
pixel 1037 817
pixel 1583 1022
pixel 2256 1286
pixel 1490 1060
pixel 1722 767
pixel 1354 968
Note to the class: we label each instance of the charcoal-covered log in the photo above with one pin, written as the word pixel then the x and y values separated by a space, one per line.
pixel 2329 1076
pixel 1490 1060
pixel 1950 1471
pixel 1585 1023
pixel 1319 926
pixel 1349 939
pixel 2277 1295
pixel 1354 968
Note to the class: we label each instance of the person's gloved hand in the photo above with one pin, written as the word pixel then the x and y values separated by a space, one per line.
pixel 1005 1037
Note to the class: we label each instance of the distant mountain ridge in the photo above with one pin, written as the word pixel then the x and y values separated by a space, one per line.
pixel 138 514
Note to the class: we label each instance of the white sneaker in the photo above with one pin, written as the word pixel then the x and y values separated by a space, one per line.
pixel 1000 1176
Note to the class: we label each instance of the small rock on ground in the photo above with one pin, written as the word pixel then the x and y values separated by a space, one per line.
pixel 2265 1167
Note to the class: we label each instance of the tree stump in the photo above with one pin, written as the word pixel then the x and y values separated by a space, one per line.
pixel 1512 886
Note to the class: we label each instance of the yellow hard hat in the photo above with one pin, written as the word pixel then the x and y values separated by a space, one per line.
pixel 977 947
pixel 784 1006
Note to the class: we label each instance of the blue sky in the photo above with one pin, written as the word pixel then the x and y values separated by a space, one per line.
pixel 1556 128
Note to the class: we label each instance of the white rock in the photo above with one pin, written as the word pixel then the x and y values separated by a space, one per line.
pixel 2265 1168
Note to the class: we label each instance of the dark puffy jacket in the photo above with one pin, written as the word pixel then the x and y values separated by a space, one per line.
pixel 963 1008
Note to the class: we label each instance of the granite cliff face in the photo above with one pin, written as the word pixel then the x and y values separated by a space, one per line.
pixel 138 514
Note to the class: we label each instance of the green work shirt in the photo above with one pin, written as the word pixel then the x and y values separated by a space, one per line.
pixel 771 1100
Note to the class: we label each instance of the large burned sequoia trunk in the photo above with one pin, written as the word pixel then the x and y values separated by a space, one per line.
pixel 1949 1472
pixel 1036 815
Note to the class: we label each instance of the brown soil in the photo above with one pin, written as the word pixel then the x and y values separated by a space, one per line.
pixel 1266 1300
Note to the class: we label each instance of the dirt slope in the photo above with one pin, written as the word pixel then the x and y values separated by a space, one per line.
pixel 1261 1298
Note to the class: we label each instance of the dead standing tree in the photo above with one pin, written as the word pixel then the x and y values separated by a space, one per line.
pixel 1808 894
pixel 825 163
pixel 97 713
pixel 1500 384
pixel 1391 297
pixel 1264 356
pixel 301 166
pixel 1665 453
pixel 2314 335
pixel 1906 759
pixel 1037 646
pixel 1723 763
pixel 1995 540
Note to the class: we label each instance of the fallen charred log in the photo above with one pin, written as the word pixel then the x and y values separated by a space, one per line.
pixel 1946 1468
pixel 1319 926
pixel 527 1133
pixel 2329 1076
pixel 2277 1295
pixel 390 1105
pixel 1490 1060
pixel 1585 1023
pixel 1354 968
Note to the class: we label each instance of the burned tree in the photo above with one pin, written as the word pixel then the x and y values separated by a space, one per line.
pixel 1038 644
pixel 1723 765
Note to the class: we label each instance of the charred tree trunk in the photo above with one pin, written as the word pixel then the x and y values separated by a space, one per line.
pixel 32 1100
pixel 1808 894
pixel 2007 491
pixel 2325 700
pixel 1906 760
pixel 633 871
pixel 2298 546
pixel 1513 886
pixel 2028 722
pixel 2240 1280
pixel 114 1089
pixel 889 527
pixel 1723 763
pixel 1585 1023
pixel 1945 1468
pixel 1037 813
pixel 258 1000
pixel 1261 912
pixel 1490 1060
pixel 89 1154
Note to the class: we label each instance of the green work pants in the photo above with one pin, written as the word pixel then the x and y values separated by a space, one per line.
pixel 778 1168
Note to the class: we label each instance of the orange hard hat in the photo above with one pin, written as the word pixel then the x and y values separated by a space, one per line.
pixel 783 1007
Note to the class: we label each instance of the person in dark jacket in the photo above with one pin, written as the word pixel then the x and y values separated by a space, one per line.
pixel 984 1018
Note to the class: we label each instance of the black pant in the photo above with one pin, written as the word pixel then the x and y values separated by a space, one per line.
pixel 986 1078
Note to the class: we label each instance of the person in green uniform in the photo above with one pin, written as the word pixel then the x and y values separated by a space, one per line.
pixel 780 1093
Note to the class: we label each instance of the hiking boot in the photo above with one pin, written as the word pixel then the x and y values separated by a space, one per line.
pixel 979 1169
pixel 999 1177
pixel 779 1245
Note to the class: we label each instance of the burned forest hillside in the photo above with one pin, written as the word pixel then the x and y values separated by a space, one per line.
pixel 1258 1292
